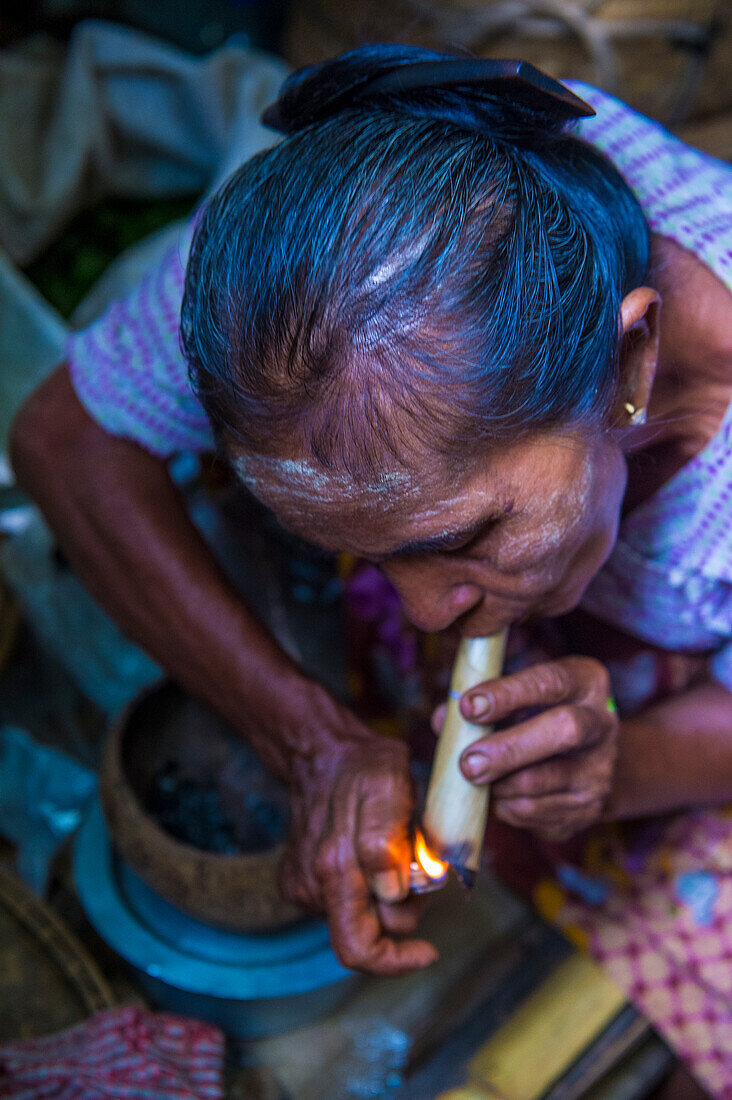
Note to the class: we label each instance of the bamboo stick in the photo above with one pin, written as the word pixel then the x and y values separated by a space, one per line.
pixel 456 810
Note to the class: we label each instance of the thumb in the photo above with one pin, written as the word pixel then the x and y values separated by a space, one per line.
pixel 438 719
pixel 384 844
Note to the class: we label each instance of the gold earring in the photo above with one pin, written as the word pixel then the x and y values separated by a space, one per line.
pixel 637 416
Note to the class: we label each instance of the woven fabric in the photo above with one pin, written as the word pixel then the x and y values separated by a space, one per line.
pixel 127 1054
pixel 686 195
pixel 653 904
pixel 128 369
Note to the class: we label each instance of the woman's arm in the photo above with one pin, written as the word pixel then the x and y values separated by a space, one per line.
pixel 675 753
pixel 121 521
pixel 122 524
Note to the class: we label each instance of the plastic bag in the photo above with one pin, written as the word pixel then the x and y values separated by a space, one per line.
pixel 43 797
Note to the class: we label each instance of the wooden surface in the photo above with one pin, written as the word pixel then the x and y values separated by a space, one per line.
pixel 478 942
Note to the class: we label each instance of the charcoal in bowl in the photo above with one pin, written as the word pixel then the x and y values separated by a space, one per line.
pixel 191 810
pixel 198 780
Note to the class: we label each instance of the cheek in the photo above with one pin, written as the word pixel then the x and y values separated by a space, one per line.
pixel 599 545
pixel 599 532
pixel 608 502
pixel 534 546
pixel 590 514
pixel 555 546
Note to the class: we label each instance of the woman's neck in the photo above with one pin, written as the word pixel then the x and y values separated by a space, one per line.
pixel 693 385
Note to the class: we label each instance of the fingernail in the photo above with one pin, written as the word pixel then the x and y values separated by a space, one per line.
pixel 480 706
pixel 473 765
pixel 387 885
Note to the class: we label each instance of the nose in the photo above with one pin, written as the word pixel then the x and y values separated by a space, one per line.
pixel 433 607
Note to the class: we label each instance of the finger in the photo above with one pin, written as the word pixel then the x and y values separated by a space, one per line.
pixel 555 812
pixel 357 936
pixel 571 679
pixel 383 841
pixel 437 720
pixel 356 933
pixel 550 777
pixel 402 919
pixel 560 730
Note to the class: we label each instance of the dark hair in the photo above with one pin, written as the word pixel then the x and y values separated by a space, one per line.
pixel 441 252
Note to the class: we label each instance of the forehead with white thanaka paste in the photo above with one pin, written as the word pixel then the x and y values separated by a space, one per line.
pixel 529 504
pixel 316 503
pixel 294 488
pixel 296 478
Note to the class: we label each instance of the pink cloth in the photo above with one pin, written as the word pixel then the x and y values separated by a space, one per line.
pixel 127 1054
pixel 652 903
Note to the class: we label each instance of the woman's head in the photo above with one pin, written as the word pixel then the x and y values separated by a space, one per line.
pixel 401 298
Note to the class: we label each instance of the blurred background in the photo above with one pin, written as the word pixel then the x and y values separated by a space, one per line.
pixel 668 58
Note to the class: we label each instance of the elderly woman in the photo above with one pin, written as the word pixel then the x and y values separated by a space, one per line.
pixel 427 329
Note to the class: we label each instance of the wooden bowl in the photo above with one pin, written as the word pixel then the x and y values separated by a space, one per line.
pixel 165 732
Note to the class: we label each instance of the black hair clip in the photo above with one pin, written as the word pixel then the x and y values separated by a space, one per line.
pixel 525 84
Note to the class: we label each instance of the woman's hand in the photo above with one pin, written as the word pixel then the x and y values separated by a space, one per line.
pixel 552 773
pixel 349 842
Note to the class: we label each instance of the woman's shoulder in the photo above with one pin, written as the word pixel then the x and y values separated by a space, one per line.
pixel 675 481
pixel 127 367
pixel 696 316
pixel 685 194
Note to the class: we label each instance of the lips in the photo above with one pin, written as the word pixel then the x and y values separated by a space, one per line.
pixel 479 623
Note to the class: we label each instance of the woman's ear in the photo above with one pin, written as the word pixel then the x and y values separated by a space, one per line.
pixel 639 324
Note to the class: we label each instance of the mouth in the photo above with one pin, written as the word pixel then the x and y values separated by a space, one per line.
pixel 477 624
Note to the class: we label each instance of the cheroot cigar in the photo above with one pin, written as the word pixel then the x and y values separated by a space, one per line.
pixel 456 810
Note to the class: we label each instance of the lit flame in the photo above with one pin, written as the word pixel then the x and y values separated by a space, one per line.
pixel 430 864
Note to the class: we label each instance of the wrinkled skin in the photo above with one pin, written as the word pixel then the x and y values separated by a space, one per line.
pixel 349 841
pixel 552 773
pixel 523 534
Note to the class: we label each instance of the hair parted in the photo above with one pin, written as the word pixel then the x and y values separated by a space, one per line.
pixel 436 265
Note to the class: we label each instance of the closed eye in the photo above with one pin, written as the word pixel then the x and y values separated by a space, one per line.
pixel 446 542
